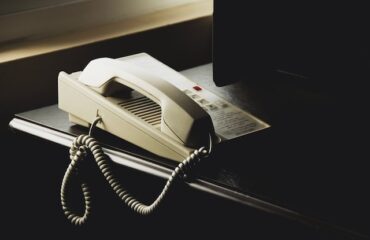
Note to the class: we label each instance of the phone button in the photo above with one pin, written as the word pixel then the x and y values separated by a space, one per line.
pixel 203 101
pixel 212 107
pixel 195 96
pixel 221 104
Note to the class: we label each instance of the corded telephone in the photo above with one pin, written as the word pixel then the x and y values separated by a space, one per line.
pixel 143 101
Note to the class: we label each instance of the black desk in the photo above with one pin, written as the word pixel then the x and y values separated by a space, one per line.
pixel 270 170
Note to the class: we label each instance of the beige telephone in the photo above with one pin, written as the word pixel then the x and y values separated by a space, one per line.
pixel 157 116
pixel 143 101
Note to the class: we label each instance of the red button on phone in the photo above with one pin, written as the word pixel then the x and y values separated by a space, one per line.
pixel 197 88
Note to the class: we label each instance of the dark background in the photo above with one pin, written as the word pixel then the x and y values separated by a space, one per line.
pixel 324 43
pixel 305 68
pixel 300 168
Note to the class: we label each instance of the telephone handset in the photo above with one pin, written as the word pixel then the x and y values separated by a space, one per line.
pixel 143 101
pixel 182 119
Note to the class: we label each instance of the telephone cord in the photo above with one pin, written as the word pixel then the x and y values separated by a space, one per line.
pixel 79 151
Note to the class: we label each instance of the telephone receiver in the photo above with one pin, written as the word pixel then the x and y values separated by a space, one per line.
pixel 136 106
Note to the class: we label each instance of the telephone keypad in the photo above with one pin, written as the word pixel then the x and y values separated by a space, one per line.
pixel 205 104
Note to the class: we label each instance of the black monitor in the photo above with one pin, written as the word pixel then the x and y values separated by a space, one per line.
pixel 319 42
pixel 304 69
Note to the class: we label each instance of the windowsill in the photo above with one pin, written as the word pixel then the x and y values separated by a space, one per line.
pixel 133 25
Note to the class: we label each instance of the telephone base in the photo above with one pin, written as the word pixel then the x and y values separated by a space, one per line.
pixel 72 118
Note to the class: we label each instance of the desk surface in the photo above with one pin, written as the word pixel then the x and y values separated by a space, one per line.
pixel 286 170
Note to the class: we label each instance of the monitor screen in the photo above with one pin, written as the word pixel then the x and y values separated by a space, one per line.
pixel 304 69
pixel 318 42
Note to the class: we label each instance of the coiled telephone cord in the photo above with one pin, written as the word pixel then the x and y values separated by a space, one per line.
pixel 78 152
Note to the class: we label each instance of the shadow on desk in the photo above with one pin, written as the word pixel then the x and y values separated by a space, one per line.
pixel 33 202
